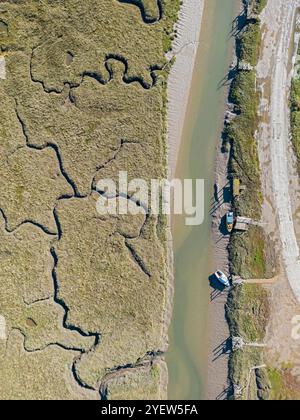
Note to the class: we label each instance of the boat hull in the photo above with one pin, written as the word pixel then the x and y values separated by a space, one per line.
pixel 223 279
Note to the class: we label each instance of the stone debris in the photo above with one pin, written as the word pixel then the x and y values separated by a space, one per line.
pixel 2 68
pixel 237 343
pixel 2 328
pixel 243 66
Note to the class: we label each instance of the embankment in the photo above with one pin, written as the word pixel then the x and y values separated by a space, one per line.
pixel 249 257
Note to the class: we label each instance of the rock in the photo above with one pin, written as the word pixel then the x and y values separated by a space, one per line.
pixel 243 66
pixel 237 391
pixel 237 343
pixel 263 395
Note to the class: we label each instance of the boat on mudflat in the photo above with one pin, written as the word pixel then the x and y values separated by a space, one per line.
pixel 222 278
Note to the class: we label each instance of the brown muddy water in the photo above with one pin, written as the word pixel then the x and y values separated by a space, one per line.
pixel 189 332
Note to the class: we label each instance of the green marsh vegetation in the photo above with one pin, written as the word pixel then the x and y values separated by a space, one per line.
pixel 248 306
pixel 85 97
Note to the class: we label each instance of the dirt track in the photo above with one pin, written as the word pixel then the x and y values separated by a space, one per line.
pixel 278 19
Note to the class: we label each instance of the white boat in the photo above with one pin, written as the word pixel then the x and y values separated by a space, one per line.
pixel 222 278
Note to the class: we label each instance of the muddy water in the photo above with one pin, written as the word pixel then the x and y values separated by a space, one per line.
pixel 189 334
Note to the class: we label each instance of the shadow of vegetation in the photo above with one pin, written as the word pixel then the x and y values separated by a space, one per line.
pixel 222 349
pixel 131 79
pixel 218 288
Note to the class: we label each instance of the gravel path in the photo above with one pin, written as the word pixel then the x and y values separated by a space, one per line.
pixel 278 18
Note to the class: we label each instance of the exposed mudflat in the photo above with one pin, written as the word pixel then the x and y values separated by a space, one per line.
pixel 184 50
pixel 218 386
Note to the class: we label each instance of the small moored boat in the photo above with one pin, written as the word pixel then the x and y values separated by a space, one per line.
pixel 229 221
pixel 222 278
